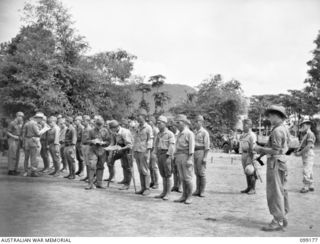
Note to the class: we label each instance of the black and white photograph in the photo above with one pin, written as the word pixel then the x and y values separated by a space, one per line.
pixel 158 118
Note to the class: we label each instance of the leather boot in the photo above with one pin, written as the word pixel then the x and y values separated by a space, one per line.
pixel 252 185
pixel 155 179
pixel 90 177
pixel 72 172
pixel 99 176
pixel 189 192
pixel 146 185
pixel 248 185
pixel 184 192
pixel 142 184
pixel 176 183
pixel 152 178
pixel 164 189
pixel 124 178
pixel 168 187
pixel 87 172
pixel 203 182
pixel 197 192
pixel 79 171
pixel 111 173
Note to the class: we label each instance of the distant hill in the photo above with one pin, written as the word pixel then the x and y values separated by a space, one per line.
pixel 177 92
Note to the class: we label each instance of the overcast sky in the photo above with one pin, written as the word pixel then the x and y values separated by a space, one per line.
pixel 264 44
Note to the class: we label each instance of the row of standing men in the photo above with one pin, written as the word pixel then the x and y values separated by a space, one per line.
pixel 87 145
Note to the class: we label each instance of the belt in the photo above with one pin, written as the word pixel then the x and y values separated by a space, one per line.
pixel 199 148
pixel 162 150
pixel 67 144
pixel 86 144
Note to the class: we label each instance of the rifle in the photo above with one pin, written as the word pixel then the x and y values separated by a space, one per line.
pixel 258 159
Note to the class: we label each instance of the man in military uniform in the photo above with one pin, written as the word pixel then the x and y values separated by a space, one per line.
pixel 121 137
pixel 143 143
pixel 54 145
pixel 201 150
pixel 32 145
pixel 79 155
pixel 176 179
pixel 164 149
pixel 44 151
pixel 153 167
pixel 70 147
pixel 305 150
pixel 85 145
pixel 99 137
pixel 62 137
pixel 14 134
pixel 275 149
pixel 247 142
pixel 185 145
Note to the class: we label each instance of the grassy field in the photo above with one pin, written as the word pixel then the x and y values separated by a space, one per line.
pixel 48 206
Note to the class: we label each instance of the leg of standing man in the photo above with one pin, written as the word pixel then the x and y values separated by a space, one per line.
pixel 176 178
pixel 154 171
pixel 100 169
pixel 55 155
pixel 12 155
pixel 70 156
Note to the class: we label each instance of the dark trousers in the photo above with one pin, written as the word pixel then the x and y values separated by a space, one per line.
pixel 126 164
pixel 79 157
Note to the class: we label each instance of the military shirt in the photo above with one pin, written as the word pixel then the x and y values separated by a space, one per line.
pixel 309 137
pixel 31 129
pixel 85 134
pixel 53 135
pixel 71 136
pixel 79 130
pixel 202 138
pixel 14 128
pixel 123 138
pixel 247 141
pixel 165 140
pixel 143 138
pixel 155 132
pixel 278 141
pixel 62 134
pixel 185 142
pixel 101 134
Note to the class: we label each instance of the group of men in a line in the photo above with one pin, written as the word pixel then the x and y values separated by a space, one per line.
pixel 156 147
pixel 93 143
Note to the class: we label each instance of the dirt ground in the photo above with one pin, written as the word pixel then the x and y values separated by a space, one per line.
pixel 48 206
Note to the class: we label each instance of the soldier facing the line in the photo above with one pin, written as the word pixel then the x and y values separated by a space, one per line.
pixel 277 171
pixel 247 143
pixel 306 152
pixel 99 137
pixel 121 137
pixel 14 133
